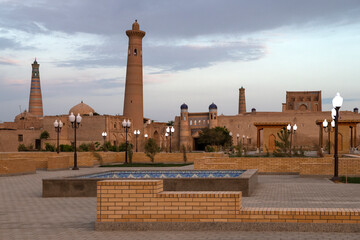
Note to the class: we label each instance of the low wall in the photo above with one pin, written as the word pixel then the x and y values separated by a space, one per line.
pixel 144 202
pixel 302 166
pixel 17 166
pixel 58 162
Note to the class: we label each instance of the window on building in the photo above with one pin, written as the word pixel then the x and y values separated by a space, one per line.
pixel 114 125
pixel 135 51
pixel 190 122
pixel 20 138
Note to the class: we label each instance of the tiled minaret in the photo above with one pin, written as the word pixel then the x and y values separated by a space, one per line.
pixel 133 100
pixel 35 100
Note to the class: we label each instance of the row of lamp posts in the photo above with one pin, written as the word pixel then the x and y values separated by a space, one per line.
pixel 238 137
pixel 75 123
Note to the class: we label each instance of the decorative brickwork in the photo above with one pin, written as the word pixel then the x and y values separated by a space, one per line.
pixel 145 201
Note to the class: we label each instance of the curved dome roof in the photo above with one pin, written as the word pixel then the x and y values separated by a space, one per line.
pixel 82 108
pixel 212 106
pixel 184 106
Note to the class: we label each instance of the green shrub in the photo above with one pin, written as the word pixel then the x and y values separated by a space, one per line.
pixel 49 147
pixel 66 148
pixel 22 148
pixel 84 147
pixel 209 148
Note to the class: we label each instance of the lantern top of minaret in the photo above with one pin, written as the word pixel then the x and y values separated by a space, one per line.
pixel 135 25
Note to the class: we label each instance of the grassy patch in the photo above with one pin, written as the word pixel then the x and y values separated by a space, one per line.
pixel 149 165
pixel 351 179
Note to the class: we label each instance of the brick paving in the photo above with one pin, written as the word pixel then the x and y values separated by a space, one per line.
pixel 24 214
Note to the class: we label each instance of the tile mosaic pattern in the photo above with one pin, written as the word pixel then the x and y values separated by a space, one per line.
pixel 166 174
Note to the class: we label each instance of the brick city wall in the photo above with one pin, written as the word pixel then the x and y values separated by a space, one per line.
pixel 145 201
pixel 302 166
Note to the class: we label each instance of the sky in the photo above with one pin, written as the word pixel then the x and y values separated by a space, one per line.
pixel 194 52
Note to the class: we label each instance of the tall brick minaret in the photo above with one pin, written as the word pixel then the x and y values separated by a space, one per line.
pixel 35 100
pixel 133 99
pixel 242 101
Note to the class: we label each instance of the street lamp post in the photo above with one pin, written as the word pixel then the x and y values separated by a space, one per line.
pixel 58 126
pixel 137 133
pixel 104 134
pixel 291 130
pixel 328 129
pixel 166 137
pixel 337 102
pixel 75 123
pixel 126 125
pixel 237 138
pixel 170 131
pixel 247 142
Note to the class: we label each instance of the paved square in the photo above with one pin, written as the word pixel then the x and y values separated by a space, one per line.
pixel 24 214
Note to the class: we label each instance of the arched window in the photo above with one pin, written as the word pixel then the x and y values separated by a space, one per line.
pixel 135 51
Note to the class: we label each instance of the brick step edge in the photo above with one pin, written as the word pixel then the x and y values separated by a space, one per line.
pixel 220 226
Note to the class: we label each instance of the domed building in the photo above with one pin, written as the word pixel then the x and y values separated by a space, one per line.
pixel 83 109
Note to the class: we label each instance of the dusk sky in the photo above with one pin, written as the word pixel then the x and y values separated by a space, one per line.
pixel 197 52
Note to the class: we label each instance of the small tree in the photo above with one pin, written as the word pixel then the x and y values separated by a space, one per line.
pixel 44 135
pixel 239 149
pixel 151 149
pixel 282 146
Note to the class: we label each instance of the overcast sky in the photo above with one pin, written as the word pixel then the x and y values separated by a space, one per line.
pixel 197 52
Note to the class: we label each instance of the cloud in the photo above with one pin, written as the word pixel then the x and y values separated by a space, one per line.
pixel 173 18
pixel 8 61
pixel 177 58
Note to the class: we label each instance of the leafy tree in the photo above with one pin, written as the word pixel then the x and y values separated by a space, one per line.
pixel 218 136
pixel 282 146
pixel 44 135
pixel 151 149
pixel 170 123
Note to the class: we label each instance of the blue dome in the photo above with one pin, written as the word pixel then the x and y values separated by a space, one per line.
pixel 184 106
pixel 212 106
